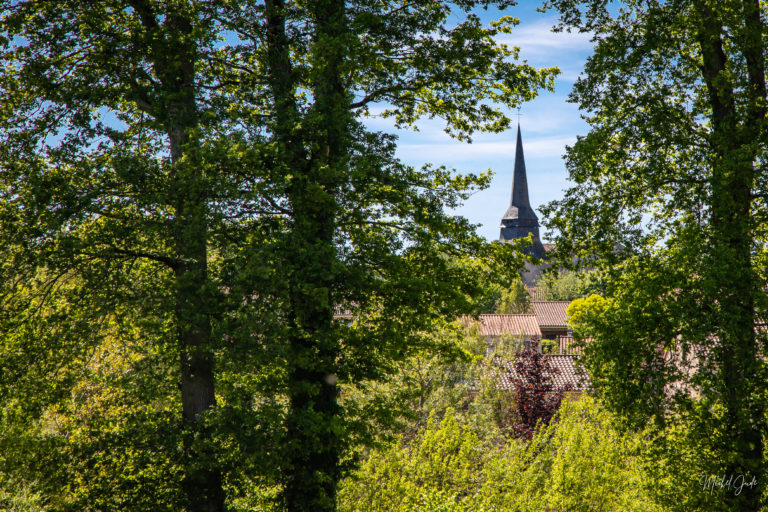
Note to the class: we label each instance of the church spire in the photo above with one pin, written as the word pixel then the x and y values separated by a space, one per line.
pixel 520 220
pixel 519 204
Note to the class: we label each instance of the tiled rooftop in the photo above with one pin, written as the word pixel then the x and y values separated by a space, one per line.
pixel 568 373
pixel 551 313
pixel 498 325
pixel 566 344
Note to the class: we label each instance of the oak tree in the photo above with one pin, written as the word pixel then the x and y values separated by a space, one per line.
pixel 189 192
pixel 669 188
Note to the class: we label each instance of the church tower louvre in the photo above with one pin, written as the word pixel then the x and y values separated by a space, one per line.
pixel 520 220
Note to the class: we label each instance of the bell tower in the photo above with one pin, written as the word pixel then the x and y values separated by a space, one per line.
pixel 520 220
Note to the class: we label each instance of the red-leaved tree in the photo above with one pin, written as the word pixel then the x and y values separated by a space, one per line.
pixel 537 398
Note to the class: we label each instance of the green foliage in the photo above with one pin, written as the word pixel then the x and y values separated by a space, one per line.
pixel 458 376
pixel 585 314
pixel 666 198
pixel 514 299
pixel 655 381
pixel 580 462
pixel 679 462
pixel 21 500
pixel 549 346
pixel 500 288
pixel 188 191
pixel 446 458
pixel 583 462
pixel 568 284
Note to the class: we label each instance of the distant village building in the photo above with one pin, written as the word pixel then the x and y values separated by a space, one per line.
pixel 549 320
pixel 569 345
pixel 523 325
pixel 520 220
pixel 551 317
pixel 566 374
pixel 518 329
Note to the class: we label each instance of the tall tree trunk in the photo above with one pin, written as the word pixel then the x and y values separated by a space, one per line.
pixel 174 56
pixel 314 447
pixel 202 482
pixel 732 280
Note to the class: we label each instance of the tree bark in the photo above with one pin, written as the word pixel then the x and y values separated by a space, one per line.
pixel 314 447
pixel 174 55
pixel 731 280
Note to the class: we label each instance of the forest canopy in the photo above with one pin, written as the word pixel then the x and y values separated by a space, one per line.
pixel 188 195
pixel 221 289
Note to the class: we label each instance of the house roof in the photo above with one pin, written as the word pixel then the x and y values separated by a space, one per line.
pixel 568 374
pixel 498 325
pixel 551 313
pixel 567 346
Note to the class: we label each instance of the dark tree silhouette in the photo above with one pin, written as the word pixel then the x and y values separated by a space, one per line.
pixel 537 398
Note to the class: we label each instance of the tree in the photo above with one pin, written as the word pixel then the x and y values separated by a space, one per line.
pixel 456 372
pixel 502 289
pixel 580 461
pixel 568 285
pixel 514 299
pixel 583 461
pixel 108 162
pixel 673 172
pixel 442 467
pixel 365 231
pixel 192 181
pixel 536 397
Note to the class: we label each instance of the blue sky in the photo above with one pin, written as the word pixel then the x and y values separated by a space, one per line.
pixel 548 124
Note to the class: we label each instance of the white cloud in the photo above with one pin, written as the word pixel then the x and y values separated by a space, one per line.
pixel 486 153
pixel 541 116
pixel 538 39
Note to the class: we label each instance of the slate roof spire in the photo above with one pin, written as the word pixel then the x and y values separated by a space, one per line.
pixel 520 219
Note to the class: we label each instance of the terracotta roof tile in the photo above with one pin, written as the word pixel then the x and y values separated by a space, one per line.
pixel 551 313
pixel 569 373
pixel 498 325
pixel 566 344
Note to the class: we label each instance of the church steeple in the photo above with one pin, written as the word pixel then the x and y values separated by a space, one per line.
pixel 520 219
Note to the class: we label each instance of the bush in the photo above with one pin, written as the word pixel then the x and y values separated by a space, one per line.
pixel 439 470
pixel 583 462
pixel 579 462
